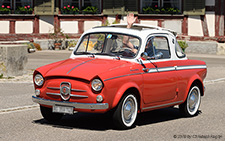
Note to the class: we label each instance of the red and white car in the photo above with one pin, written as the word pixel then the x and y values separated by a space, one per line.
pixel 104 75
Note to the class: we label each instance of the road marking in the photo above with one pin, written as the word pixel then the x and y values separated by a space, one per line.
pixel 15 109
pixel 214 81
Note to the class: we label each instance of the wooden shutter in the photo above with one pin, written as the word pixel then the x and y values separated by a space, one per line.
pixel 131 6
pixel 113 7
pixel 44 7
pixel 194 7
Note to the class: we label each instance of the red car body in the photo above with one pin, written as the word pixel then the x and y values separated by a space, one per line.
pixel 155 84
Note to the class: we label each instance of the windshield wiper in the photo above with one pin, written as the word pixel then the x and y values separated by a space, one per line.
pixel 109 54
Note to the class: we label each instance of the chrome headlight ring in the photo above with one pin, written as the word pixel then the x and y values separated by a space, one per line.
pixel 38 80
pixel 97 85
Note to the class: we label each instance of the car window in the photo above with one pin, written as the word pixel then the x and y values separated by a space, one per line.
pixel 92 43
pixel 108 44
pixel 157 48
pixel 179 51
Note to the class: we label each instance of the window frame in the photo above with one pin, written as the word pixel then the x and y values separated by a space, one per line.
pixel 14 6
pixel 166 38
pixel 88 34
pixel 160 4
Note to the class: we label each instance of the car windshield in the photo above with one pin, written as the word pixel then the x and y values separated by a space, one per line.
pixel 110 44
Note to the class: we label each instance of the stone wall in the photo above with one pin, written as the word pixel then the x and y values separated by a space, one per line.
pixel 13 60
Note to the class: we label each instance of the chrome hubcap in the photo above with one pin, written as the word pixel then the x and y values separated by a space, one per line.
pixel 129 110
pixel 193 100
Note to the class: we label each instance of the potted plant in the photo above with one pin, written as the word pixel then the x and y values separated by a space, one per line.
pixel 24 10
pixel 58 36
pixel 69 10
pixel 160 10
pixel 5 9
pixel 90 10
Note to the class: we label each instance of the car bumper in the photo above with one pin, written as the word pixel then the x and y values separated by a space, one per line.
pixel 91 106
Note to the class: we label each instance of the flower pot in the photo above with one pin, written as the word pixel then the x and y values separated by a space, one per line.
pixel 57 46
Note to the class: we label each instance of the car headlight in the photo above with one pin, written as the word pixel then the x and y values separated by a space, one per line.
pixel 38 79
pixel 96 85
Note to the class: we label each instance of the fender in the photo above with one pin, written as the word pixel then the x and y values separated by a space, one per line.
pixel 122 90
pixel 191 80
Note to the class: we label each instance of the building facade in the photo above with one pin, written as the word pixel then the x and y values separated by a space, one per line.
pixel 29 19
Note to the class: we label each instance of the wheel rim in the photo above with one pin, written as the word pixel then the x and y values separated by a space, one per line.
pixel 193 100
pixel 129 110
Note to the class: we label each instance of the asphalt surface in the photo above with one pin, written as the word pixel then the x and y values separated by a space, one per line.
pixel 21 119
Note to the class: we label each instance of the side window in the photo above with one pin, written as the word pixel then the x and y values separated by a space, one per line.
pixel 179 51
pixel 157 48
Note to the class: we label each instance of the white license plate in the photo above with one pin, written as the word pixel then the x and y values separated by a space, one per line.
pixel 62 109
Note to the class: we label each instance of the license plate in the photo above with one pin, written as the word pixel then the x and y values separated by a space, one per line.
pixel 62 109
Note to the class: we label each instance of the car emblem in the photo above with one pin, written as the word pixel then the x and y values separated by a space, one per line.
pixel 65 89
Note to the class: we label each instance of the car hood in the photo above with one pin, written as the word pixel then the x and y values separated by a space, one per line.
pixel 84 68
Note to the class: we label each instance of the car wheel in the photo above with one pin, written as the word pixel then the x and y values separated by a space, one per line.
pixel 126 112
pixel 49 115
pixel 190 106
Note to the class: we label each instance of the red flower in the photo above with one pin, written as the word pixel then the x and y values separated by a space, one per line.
pixel 28 6
pixel 8 6
pixel 156 5
pixel 68 6
pixel 3 6
pixel 72 7
pixel 25 7
pixel 64 7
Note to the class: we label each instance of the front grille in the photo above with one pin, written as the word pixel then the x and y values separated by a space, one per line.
pixel 56 92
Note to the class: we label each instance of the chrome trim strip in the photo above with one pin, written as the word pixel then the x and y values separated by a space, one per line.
pixel 91 106
pixel 53 94
pixel 53 88
pixel 122 76
pixel 72 95
pixel 191 67
pixel 163 69
pixel 77 90
pixel 161 105
pixel 79 65
pixel 81 96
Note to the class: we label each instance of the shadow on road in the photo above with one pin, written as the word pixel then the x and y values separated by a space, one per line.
pixel 101 122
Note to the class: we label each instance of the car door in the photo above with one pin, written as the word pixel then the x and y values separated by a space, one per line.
pixel 160 75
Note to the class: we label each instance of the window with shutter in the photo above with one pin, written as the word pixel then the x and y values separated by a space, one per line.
pixel 113 7
pixel 131 6
pixel 194 7
pixel 120 7
pixel 44 7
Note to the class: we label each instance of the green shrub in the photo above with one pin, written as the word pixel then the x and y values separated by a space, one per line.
pixel 183 45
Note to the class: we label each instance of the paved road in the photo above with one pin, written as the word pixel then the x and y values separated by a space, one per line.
pixel 21 119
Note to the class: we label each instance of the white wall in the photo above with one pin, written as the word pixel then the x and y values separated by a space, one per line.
pixel 210 18
pixel 174 25
pixel 24 27
pixel 153 23
pixel 90 24
pixel 46 24
pixel 194 26
pixel 69 26
pixel 4 27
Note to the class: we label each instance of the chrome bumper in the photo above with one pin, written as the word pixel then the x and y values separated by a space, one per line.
pixel 92 106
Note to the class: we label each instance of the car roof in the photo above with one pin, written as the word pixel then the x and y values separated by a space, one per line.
pixel 137 29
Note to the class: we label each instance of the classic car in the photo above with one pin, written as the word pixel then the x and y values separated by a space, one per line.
pixel 103 75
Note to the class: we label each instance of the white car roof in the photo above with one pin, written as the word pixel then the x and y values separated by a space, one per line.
pixel 136 30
